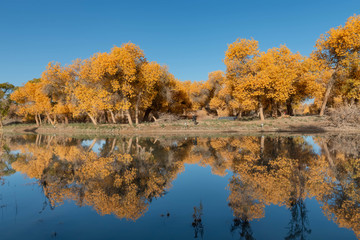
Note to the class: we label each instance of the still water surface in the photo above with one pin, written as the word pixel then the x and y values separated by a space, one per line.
pixel 246 187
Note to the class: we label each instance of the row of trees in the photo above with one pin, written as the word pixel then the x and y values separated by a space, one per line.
pixel 279 80
pixel 122 83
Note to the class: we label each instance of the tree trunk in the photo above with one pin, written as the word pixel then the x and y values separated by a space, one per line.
pixel 136 114
pixel 261 112
pixel 107 120
pixel 275 110
pixel 146 115
pixel 127 113
pixel 36 120
pixel 112 116
pixel 66 120
pixel 289 109
pixel 327 93
pixel 93 119
pixel 40 121
pixel 137 109
pixel 50 120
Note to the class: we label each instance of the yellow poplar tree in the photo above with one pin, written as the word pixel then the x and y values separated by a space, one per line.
pixel 32 101
pixel 339 50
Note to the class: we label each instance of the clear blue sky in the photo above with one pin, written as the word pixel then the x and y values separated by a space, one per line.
pixel 190 37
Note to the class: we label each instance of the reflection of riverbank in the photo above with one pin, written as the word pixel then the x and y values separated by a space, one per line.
pixel 122 175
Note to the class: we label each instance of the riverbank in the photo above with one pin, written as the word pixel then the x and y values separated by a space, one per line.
pixel 298 124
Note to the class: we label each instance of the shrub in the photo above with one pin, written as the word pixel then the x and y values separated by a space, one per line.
pixel 348 115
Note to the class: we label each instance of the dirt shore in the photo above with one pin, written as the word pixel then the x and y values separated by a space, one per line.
pixel 299 124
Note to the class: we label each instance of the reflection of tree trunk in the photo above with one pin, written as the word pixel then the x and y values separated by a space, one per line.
pixel 92 144
pixel 49 141
pixel 113 146
pixel 328 155
pixel 1 122
pixel 93 119
pixel 261 112
pixel 123 145
pixel 129 145
pixel 112 116
pixel 327 93
pixel 37 140
pixel 262 144
pixel 137 146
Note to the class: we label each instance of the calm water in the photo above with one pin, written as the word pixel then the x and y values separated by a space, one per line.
pixel 302 187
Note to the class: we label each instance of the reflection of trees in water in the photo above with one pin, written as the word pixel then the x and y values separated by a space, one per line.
pixel 6 159
pixel 120 180
pixel 127 173
pixel 299 222
pixel 339 177
pixel 197 221
pixel 242 226
pixel 269 171
pixel 245 208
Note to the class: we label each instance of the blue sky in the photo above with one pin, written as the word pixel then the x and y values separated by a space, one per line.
pixel 190 37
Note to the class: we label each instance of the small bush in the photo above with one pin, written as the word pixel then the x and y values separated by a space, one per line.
pixel 345 116
pixel 168 117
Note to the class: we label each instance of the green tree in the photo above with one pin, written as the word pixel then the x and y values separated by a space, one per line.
pixel 5 102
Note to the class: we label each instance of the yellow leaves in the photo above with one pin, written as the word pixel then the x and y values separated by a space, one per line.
pixel 90 100
pixel 31 99
pixel 128 57
pixel 240 51
pixel 339 50
pixel 275 74
pixel 95 167
pixel 119 80
pixel 340 43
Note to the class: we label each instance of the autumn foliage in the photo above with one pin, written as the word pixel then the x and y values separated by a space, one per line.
pixel 118 84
